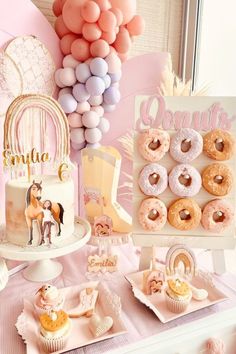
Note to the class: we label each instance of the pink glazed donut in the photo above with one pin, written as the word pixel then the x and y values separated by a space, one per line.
pixel 152 214
pixel 189 175
pixel 190 136
pixel 221 210
pixel 153 144
pixel 153 179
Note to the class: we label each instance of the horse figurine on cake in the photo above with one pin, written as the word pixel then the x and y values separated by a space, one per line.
pixel 34 211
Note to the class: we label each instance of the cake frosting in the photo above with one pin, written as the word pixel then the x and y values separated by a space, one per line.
pixel 22 209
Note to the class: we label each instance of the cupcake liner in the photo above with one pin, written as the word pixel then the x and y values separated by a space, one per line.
pixel 177 306
pixel 51 345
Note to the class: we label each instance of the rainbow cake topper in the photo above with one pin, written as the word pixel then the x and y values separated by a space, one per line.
pixel 180 254
pixel 30 113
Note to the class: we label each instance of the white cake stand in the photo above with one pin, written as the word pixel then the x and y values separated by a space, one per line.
pixel 43 268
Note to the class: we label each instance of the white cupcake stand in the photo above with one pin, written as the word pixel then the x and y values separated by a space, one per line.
pixel 43 267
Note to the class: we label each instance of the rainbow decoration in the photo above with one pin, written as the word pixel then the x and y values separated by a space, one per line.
pixel 34 103
pixel 180 254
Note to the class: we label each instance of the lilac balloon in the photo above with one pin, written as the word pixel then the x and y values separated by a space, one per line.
pixel 99 67
pixel 68 103
pixel 93 135
pixel 112 96
pixel 82 72
pixel 90 119
pixel 116 77
pixel 77 136
pixel 96 100
pixel 104 125
pixel 95 86
pixel 107 81
pixel 80 93
pixel 108 107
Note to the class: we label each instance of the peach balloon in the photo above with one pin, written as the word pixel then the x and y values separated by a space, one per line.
pixel 136 26
pixel 90 11
pixel 99 48
pixel 57 8
pixel 123 41
pixel 127 7
pixel 109 37
pixel 123 56
pixel 107 21
pixel 119 16
pixel 103 4
pixel 60 27
pixel 80 49
pixel 66 43
pixel 72 15
pixel 91 32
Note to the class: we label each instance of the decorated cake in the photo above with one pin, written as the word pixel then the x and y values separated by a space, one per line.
pixel 39 207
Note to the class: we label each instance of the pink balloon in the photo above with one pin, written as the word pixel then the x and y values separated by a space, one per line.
pixel 66 43
pixel 90 11
pixel 96 100
pixel 136 26
pixel 127 7
pixel 80 49
pixel 77 136
pixel 93 146
pixel 75 120
pixel 98 109
pixel 67 76
pixel 99 48
pixel 57 8
pixel 83 107
pixel 71 13
pixel 104 125
pixel 91 32
pixel 107 21
pixel 64 91
pixel 70 62
pixel 78 146
pixel 57 78
pixel 114 63
pixel 90 119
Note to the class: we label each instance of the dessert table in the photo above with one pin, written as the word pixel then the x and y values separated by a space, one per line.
pixel 144 329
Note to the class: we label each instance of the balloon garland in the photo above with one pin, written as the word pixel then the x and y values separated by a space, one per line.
pixel 95 37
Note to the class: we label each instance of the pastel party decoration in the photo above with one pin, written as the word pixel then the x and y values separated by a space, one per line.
pixel 181 254
pixel 95 39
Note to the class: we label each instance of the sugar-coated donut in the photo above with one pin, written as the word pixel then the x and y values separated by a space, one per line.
pixel 152 214
pixel 219 145
pixel 153 144
pixel 217 216
pixel 185 180
pixel 188 136
pixel 184 214
pixel 153 179
pixel 217 179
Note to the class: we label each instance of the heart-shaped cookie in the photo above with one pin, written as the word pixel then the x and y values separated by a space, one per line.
pixel 100 325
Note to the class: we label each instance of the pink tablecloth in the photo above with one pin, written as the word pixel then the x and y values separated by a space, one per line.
pixel 140 321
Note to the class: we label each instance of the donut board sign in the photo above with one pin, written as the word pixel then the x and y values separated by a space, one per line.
pixel 184 164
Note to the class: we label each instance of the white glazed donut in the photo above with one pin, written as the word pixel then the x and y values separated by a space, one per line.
pixel 189 174
pixel 153 179
pixel 190 136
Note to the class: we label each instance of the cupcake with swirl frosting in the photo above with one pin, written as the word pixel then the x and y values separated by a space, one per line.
pixel 48 298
